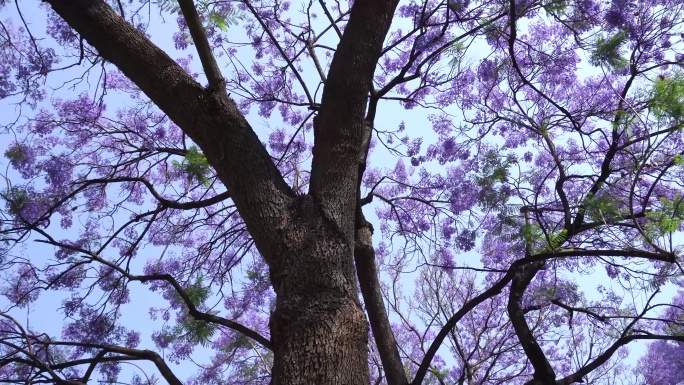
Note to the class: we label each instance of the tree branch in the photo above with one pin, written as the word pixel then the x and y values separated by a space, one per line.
pixel 572 309
pixel 600 360
pixel 338 128
pixel 367 272
pixel 199 36
pixel 496 289
pixel 207 317
pixel 635 253
pixel 149 355
pixel 259 191
pixel 543 372
pixel 192 309
pixel 163 201
pixel 332 21
pixel 282 52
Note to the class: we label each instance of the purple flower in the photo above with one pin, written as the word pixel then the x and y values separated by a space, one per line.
pixel 487 70
pixel 23 158
pixel 24 288
pixel 612 271
pixel 466 240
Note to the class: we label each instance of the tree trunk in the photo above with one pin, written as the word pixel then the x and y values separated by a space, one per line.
pixel 319 331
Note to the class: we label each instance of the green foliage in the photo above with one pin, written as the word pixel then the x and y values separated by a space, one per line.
pixel 258 277
pixel 538 241
pixel 222 20
pixel 440 374
pixel 603 208
pixel 189 329
pixel 16 154
pixel 569 291
pixel 607 51
pixel 196 332
pixel 168 5
pixel 251 370
pixel 194 165
pixel 558 239
pixel 532 233
pixel 555 6
pixel 625 119
pixel 489 28
pixel 667 97
pixel 679 159
pixel 197 292
pixel 676 328
pixel 667 219
pixel 493 173
pixel 192 331
pixel 15 198
pixel 456 51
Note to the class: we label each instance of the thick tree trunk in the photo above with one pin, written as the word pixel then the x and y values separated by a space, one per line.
pixel 319 331
pixel 319 338
pixel 326 343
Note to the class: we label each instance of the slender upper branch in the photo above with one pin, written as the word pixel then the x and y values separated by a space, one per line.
pixel 199 36
pixel 332 21
pixel 493 291
pixel 282 52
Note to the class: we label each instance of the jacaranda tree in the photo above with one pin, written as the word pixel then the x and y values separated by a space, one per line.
pixel 424 192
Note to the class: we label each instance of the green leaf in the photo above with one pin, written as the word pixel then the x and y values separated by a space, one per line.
pixel 440 374
pixel 194 165
pixel 219 21
pixel 676 328
pixel 665 219
pixel 223 21
pixel 456 51
pixel 607 51
pixel 603 208
pixel 492 178
pixel 15 198
pixel 197 332
pixel 192 331
pixel 16 154
pixel 555 6
pixel 204 7
pixel 667 97
pixel 197 292
pixel 168 5
pixel 189 329
pixel 558 239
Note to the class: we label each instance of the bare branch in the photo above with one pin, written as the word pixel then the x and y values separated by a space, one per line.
pixel 163 201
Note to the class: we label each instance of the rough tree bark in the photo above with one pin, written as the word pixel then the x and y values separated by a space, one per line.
pixel 318 330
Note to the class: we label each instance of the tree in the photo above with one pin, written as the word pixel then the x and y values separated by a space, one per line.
pixel 554 161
